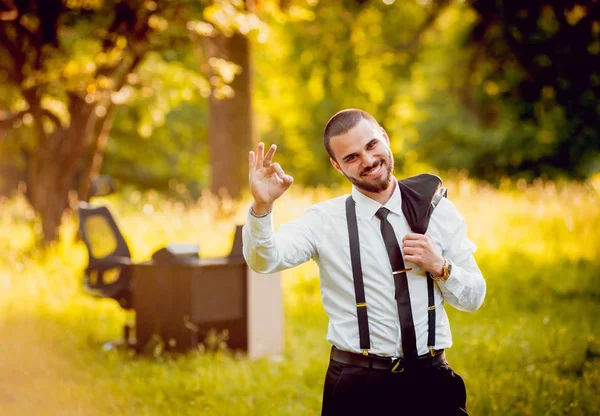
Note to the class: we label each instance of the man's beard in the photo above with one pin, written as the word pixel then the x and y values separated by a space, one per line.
pixel 382 182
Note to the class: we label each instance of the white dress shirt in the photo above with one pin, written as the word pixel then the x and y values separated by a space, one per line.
pixel 321 234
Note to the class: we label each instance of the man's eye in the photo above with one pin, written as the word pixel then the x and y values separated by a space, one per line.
pixel 351 159
pixel 371 145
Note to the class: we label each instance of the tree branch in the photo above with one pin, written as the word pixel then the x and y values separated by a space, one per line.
pixel 33 41
pixel 7 119
pixel 415 41
pixel 14 51
pixel 11 74
pixel 425 25
pixel 35 109
pixel 52 117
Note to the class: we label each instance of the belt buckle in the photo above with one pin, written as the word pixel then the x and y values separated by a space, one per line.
pixel 398 365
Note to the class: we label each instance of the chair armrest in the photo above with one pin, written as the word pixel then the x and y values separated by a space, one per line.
pixel 109 262
pixel 124 261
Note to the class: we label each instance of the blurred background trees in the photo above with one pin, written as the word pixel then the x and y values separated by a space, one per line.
pixel 536 67
pixel 172 95
pixel 67 66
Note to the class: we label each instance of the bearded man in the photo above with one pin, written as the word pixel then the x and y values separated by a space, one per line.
pixel 383 284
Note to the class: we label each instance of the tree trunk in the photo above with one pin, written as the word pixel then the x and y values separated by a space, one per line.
pixel 230 127
pixel 51 197
pixel 52 167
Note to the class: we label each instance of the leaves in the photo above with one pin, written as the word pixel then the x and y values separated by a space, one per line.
pixel 495 88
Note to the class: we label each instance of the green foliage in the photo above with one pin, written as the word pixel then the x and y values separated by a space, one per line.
pixel 495 88
pixel 177 152
pixel 492 87
pixel 540 63
pixel 338 55
pixel 166 117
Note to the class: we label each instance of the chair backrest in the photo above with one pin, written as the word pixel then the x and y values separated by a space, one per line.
pixel 100 233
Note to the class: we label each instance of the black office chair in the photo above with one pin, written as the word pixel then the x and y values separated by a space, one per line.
pixel 108 273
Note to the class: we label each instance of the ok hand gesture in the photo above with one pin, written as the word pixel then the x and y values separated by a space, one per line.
pixel 267 180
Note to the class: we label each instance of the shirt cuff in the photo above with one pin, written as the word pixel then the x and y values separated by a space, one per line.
pixel 455 281
pixel 255 215
pixel 260 227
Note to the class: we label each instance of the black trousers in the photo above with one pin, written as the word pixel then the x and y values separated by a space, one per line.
pixel 352 390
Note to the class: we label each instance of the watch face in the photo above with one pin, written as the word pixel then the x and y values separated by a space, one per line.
pixel 447 268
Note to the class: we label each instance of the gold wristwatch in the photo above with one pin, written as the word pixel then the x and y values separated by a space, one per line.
pixel 447 270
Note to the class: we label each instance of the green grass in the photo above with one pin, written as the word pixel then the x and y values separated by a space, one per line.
pixel 533 348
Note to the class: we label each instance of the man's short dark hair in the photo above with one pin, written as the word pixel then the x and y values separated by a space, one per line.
pixel 342 122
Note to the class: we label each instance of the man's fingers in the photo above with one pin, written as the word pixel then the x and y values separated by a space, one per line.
pixel 279 171
pixel 412 236
pixel 415 240
pixel 412 259
pixel 412 251
pixel 414 243
pixel 269 157
pixel 260 154
pixel 251 159
pixel 407 251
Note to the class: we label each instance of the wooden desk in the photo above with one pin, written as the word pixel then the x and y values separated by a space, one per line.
pixel 181 303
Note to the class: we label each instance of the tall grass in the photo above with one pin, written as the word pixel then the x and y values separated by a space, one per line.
pixel 532 349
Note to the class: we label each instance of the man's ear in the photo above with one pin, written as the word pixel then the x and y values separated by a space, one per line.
pixel 336 166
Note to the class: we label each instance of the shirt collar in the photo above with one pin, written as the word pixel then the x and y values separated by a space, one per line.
pixel 367 207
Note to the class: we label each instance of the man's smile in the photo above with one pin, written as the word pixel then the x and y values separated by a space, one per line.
pixel 374 171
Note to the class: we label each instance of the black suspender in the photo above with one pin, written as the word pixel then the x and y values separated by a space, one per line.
pixel 430 292
pixel 431 315
pixel 359 288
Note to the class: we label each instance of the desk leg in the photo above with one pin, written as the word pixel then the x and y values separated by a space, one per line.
pixel 265 315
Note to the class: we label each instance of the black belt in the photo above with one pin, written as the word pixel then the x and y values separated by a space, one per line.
pixel 395 365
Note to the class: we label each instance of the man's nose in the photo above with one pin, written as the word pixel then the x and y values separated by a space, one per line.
pixel 368 160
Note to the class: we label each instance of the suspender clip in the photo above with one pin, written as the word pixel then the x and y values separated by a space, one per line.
pixel 402 271
pixel 365 352
pixel 431 351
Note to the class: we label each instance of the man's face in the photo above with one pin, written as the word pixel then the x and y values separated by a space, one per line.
pixel 364 157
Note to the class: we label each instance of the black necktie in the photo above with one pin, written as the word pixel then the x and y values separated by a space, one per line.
pixel 409 343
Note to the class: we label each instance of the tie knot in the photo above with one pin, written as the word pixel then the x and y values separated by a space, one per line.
pixel 382 213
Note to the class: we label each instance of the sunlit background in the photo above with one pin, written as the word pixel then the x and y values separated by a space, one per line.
pixel 498 97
